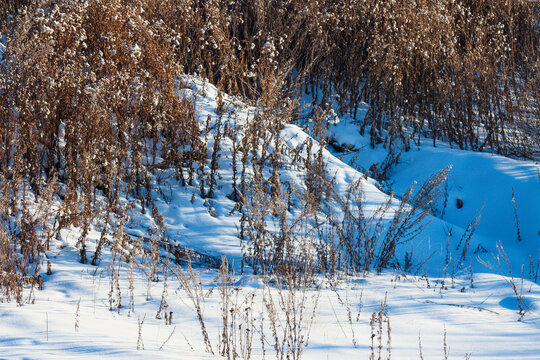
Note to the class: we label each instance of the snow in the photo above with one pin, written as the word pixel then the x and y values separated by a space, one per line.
pixel 474 305
pixel 480 321
pixel 482 181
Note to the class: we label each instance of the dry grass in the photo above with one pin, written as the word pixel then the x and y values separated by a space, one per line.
pixel 89 97
pixel 460 71
pixel 89 102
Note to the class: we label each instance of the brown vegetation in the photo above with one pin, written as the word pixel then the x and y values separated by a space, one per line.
pixel 89 100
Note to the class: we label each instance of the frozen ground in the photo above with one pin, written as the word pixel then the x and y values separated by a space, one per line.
pixel 477 306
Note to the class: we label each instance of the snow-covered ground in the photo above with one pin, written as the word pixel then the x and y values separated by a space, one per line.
pixel 481 321
pixel 465 304
pixel 482 181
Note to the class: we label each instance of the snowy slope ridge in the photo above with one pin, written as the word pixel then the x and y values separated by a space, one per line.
pixel 150 307
pixel 212 225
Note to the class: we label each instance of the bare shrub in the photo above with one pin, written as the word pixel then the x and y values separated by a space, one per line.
pixel 88 91
pixel 24 237
pixel 189 281
pixel 10 7
pixel 85 86
pixel 283 246
pixel 14 270
pixel 459 71
pixel 290 318
pixel 504 268
pixel 372 240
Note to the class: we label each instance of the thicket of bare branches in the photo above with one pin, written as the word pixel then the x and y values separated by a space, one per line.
pixel 89 100
pixel 461 71
pixel 88 90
